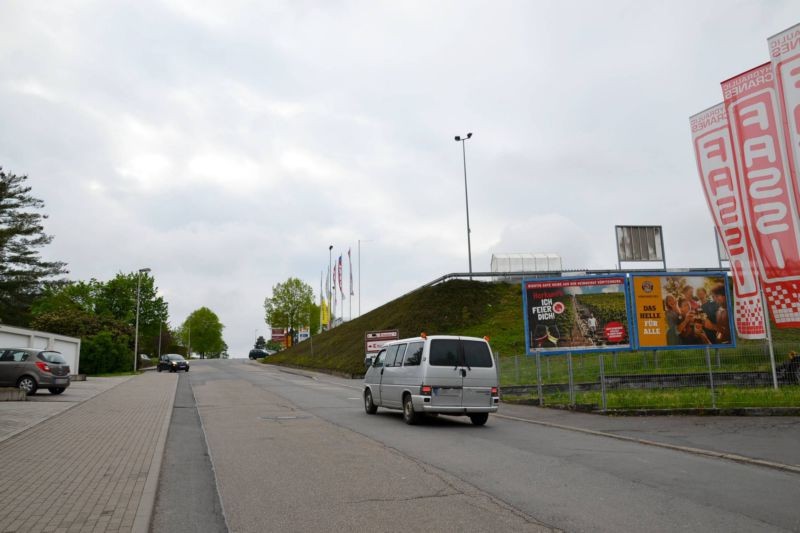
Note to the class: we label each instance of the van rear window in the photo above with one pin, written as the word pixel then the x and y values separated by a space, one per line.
pixel 477 354
pixel 444 352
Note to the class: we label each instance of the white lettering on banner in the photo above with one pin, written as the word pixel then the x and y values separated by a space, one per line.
pixel 714 155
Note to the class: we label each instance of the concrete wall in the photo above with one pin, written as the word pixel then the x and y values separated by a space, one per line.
pixel 70 347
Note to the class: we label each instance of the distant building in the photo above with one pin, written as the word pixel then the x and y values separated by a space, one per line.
pixel 525 262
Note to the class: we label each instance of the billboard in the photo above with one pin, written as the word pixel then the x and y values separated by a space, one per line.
pixel 374 340
pixel 279 335
pixel 762 168
pixel 639 243
pixel 682 310
pixel 583 314
pixel 714 156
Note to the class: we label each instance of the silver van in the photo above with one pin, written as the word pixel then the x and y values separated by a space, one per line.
pixel 437 374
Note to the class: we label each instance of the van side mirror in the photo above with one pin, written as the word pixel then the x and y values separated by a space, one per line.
pixel 369 361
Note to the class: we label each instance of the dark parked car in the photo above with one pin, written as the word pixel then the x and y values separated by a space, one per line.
pixel 31 369
pixel 172 362
pixel 258 353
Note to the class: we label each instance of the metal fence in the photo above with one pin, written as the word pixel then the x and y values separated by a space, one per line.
pixel 667 379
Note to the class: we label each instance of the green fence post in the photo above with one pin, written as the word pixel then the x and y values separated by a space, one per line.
pixel 571 380
pixel 602 381
pixel 711 378
pixel 539 378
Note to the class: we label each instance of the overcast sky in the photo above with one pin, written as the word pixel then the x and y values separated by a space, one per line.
pixel 226 144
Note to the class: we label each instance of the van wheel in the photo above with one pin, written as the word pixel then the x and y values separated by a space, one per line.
pixel 410 416
pixel 479 419
pixel 369 405
pixel 158 368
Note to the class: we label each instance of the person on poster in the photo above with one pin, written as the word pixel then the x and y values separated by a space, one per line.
pixel 688 293
pixel 673 315
pixel 709 307
pixel 592 323
pixel 721 324
pixel 690 329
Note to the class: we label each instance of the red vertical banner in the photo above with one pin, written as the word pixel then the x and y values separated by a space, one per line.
pixel 714 155
pixel 784 49
pixel 751 102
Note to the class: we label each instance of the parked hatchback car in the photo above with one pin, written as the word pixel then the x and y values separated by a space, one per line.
pixel 172 362
pixel 31 369
pixel 439 374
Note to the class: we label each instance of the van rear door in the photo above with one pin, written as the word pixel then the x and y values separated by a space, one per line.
pixel 444 373
pixel 481 374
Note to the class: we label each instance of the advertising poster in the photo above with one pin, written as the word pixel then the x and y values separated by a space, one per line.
pixel 767 189
pixel 714 155
pixel 576 314
pixel 682 310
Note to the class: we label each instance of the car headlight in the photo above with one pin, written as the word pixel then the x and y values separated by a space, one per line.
pixel 174 363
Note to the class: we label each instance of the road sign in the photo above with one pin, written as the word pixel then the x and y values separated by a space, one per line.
pixel 374 340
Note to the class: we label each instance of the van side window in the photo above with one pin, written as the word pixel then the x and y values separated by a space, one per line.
pixel 380 358
pixel 413 354
pixel 401 350
pixel 444 352
pixel 391 353
pixel 477 354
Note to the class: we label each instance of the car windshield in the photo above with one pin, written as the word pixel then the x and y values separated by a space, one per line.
pixel 175 357
pixel 53 357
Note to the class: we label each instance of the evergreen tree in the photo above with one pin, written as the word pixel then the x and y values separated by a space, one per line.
pixel 22 270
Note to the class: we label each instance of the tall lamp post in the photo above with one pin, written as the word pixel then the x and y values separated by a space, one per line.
pixel 136 332
pixel 466 196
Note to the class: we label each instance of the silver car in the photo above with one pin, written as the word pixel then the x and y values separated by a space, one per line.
pixel 31 369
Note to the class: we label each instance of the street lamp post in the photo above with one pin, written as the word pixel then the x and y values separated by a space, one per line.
pixel 466 197
pixel 136 331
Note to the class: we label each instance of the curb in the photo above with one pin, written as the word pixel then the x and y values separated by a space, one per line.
pixel 144 513
pixel 685 449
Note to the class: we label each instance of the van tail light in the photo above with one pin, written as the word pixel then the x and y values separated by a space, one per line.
pixel 494 391
pixel 44 367
pixel 425 390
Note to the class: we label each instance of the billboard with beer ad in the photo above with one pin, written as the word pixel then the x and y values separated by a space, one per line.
pixel 582 314
pixel 682 310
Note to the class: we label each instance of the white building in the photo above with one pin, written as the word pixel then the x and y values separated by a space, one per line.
pixel 526 262
pixel 70 347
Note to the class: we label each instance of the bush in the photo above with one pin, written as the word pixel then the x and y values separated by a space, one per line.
pixel 105 353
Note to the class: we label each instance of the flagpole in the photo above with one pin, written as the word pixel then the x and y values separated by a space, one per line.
pixel 768 330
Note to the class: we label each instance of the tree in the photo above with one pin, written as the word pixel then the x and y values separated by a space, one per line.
pixel 290 305
pixel 22 270
pixel 261 343
pixel 202 332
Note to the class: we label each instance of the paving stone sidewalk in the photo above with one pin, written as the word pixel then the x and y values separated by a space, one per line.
pixel 93 467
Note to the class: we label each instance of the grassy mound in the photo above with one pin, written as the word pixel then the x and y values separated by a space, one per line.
pixel 456 307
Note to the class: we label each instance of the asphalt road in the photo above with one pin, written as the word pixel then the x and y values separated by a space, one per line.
pixel 294 453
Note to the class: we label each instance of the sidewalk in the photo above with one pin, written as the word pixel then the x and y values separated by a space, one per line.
pixel 774 439
pixel 91 467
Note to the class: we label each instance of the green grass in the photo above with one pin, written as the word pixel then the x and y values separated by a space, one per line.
pixel 456 307
pixel 684 398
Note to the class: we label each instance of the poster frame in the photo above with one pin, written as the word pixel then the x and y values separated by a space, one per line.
pixel 561 351
pixel 660 273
